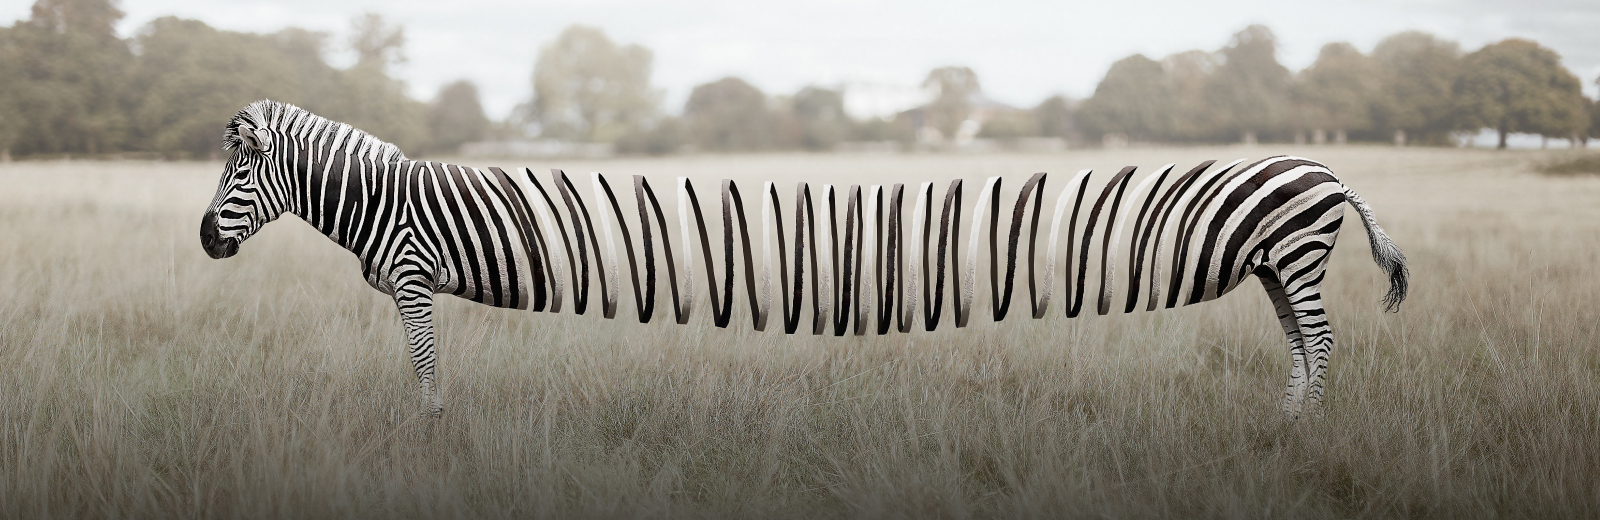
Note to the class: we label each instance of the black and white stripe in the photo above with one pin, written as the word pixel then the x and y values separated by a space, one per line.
pixel 501 238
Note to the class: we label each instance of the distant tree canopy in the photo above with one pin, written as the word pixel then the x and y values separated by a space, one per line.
pixel 456 117
pixel 1419 73
pixel 1518 86
pixel 729 115
pixel 1338 92
pixel 819 112
pixel 68 84
pixel 1251 86
pixel 1053 117
pixel 954 86
pixel 1414 87
pixel 1133 99
pixel 587 88
pixel 70 67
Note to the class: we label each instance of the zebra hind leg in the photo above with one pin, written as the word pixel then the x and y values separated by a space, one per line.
pixel 1318 336
pixel 1295 391
pixel 415 301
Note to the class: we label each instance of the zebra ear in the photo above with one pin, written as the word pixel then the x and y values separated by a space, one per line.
pixel 254 140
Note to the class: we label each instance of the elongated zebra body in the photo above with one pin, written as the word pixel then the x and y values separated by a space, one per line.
pixel 502 238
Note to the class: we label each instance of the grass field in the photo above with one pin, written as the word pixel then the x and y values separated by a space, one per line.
pixel 141 379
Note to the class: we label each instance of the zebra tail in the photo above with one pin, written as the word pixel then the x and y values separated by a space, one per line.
pixel 1384 252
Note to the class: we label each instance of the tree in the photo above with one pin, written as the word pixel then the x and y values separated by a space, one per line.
pixel 1009 125
pixel 369 98
pixel 952 87
pixel 1518 86
pixel 12 122
pixel 1594 122
pixel 73 63
pixel 820 114
pixel 1418 74
pixel 190 77
pixel 377 44
pixel 1191 116
pixel 456 117
pixel 1132 99
pixel 1250 86
pixel 587 88
pixel 1053 117
pixel 729 115
pixel 1594 118
pixel 667 136
pixel 1338 91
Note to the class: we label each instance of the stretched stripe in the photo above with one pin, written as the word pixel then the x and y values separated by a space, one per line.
pixel 1077 185
pixel 642 192
pixel 949 229
pixel 1118 182
pixel 921 220
pixel 969 272
pixel 627 241
pixel 1035 187
pixel 1186 228
pixel 891 261
pixel 729 190
pixel 580 281
pixel 1108 268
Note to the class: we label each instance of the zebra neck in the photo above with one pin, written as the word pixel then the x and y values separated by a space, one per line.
pixel 340 196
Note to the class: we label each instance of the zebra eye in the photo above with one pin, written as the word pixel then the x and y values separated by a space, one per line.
pixel 241 174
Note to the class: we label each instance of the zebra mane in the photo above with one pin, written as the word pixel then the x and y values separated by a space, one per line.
pixel 302 125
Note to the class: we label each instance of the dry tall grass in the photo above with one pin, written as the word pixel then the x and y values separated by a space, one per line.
pixel 140 379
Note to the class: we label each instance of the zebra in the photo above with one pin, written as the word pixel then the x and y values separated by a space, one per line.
pixel 498 238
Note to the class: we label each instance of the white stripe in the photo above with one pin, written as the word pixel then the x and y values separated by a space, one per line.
pixel 869 256
pixel 602 206
pixel 1106 289
pixel 1157 282
pixel 826 261
pixel 686 294
pixel 764 305
pixel 1055 237
pixel 969 272
pixel 551 244
pixel 912 290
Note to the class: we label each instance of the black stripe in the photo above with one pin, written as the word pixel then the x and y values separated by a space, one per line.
pixel 580 289
pixel 1186 227
pixel 1230 205
pixel 949 232
pixel 1163 211
pixel 1136 258
pixel 627 241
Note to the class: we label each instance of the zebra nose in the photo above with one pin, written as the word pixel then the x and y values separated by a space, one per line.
pixel 208 230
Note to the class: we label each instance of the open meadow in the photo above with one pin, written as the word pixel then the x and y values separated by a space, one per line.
pixel 141 379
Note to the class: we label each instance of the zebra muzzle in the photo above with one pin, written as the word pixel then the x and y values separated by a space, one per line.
pixel 210 239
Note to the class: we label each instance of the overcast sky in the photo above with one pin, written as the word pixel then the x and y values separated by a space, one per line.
pixel 1022 51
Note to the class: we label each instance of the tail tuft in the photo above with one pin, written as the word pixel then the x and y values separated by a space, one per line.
pixel 1384 252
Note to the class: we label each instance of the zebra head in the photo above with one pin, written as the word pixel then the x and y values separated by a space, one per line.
pixel 244 201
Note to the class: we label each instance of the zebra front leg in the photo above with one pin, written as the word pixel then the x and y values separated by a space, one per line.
pixel 415 301
pixel 1295 391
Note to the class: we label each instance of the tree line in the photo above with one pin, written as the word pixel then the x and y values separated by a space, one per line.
pixel 70 85
pixel 1413 87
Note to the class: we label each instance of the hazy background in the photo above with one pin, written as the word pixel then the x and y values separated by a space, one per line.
pixel 102 76
pixel 1026 51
